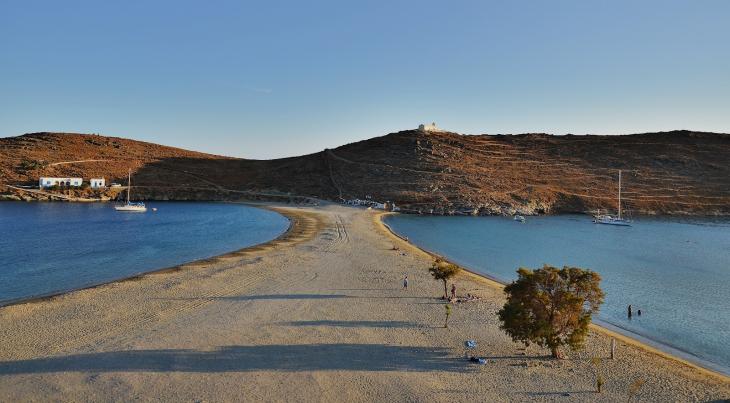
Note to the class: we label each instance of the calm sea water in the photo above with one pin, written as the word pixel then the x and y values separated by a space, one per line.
pixel 677 271
pixel 51 247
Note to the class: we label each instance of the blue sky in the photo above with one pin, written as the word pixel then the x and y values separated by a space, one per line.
pixel 271 78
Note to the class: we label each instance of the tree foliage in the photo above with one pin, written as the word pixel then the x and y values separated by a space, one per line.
pixel 551 307
pixel 29 165
pixel 444 271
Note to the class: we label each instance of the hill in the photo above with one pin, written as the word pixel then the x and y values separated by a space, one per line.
pixel 679 172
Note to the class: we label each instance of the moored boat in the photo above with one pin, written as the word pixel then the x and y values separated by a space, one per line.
pixel 130 207
pixel 609 219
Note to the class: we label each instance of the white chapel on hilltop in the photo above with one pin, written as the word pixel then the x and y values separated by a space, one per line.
pixel 429 128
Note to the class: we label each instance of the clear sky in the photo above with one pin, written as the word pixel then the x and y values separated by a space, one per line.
pixel 271 78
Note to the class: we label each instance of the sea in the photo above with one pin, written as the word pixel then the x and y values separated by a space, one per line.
pixel 675 270
pixel 48 248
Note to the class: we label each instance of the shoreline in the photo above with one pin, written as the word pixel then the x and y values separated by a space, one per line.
pixel 292 231
pixel 297 231
pixel 635 339
pixel 321 315
pixel 276 198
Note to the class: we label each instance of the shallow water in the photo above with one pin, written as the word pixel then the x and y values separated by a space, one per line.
pixel 677 271
pixel 52 247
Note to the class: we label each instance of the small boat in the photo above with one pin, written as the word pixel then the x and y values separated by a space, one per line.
pixel 609 219
pixel 519 218
pixel 130 207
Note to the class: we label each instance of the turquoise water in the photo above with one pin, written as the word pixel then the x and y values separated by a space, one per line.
pixel 677 271
pixel 52 247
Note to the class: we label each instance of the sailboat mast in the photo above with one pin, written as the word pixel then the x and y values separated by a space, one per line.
pixel 619 194
pixel 129 185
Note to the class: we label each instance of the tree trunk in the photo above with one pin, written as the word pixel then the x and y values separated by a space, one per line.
pixel 613 348
pixel 446 292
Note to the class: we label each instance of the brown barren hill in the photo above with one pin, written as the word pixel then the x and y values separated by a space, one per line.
pixel 679 172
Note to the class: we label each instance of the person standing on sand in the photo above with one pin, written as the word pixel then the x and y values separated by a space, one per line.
pixel 405 282
pixel 453 291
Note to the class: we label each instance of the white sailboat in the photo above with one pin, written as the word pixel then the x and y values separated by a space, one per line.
pixel 129 206
pixel 611 220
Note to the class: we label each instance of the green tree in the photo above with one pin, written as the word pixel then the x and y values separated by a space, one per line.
pixel 444 271
pixel 29 165
pixel 551 307
pixel 448 313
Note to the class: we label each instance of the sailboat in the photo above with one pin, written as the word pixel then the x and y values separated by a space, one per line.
pixel 611 220
pixel 129 206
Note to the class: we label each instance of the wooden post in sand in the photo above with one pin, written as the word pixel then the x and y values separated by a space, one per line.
pixel 613 347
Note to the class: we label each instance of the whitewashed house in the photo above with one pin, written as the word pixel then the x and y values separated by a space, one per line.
pixel 46 182
pixel 97 183
pixel 429 128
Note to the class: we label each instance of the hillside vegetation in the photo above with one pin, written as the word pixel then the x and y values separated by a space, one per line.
pixel 678 172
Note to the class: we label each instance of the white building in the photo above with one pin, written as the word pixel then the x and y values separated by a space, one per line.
pixel 429 128
pixel 97 183
pixel 45 182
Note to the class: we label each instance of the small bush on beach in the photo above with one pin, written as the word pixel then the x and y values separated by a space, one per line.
pixel 551 307
pixel 448 313
pixel 444 271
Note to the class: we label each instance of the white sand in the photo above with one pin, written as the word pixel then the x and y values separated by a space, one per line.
pixel 318 316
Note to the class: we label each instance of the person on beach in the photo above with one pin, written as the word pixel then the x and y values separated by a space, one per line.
pixel 453 291
pixel 405 282
pixel 629 312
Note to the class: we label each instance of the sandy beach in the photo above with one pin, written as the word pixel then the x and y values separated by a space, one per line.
pixel 316 315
